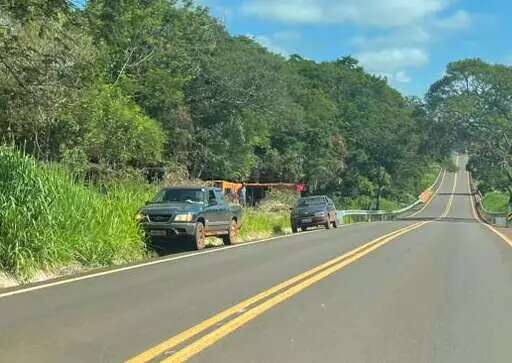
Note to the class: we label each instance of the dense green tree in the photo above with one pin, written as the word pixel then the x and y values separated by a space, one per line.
pixel 134 83
pixel 44 63
pixel 472 105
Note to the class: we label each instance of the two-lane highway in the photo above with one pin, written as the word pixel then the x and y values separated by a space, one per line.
pixel 431 288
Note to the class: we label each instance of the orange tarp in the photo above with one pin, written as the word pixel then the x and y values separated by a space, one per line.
pixel 235 187
pixel 425 196
pixel 225 185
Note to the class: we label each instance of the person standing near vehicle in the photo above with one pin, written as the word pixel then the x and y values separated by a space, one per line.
pixel 243 195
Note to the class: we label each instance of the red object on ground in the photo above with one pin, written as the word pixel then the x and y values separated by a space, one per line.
pixel 300 187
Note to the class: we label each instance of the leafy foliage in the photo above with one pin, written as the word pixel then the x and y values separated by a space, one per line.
pixel 128 84
pixel 472 108
pixel 496 202
pixel 48 220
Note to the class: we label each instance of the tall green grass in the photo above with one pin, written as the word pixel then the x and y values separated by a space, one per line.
pixel 48 221
pixel 258 224
pixel 496 202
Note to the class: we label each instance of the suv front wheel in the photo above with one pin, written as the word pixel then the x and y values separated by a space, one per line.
pixel 327 224
pixel 199 237
pixel 232 237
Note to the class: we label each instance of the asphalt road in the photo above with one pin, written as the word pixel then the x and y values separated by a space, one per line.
pixel 439 290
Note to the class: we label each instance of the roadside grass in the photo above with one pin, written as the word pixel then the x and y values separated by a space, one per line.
pixel 496 202
pixel 258 224
pixel 48 221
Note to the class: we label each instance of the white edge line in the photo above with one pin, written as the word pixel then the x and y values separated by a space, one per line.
pixel 155 262
pixel 431 198
pixel 475 215
pixel 168 259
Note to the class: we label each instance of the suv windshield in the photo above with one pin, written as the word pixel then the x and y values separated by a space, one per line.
pixel 308 202
pixel 180 195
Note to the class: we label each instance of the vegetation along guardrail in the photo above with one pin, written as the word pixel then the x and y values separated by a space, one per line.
pixel 356 216
pixel 496 219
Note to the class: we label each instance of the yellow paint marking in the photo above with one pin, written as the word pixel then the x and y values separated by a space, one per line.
pixel 450 201
pixel 236 309
pixel 157 262
pixel 475 215
pixel 283 291
pixel 214 336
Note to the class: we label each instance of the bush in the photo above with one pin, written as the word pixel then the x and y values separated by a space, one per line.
pixel 428 177
pixel 449 165
pixel 117 132
pixel 496 202
pixel 260 224
pixel 279 201
pixel 48 221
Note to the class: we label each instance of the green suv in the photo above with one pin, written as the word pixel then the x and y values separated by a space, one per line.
pixel 193 213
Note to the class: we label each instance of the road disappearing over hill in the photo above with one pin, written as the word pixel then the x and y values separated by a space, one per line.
pixel 434 287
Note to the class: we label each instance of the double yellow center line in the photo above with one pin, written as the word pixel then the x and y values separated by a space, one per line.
pixel 188 343
pixel 259 304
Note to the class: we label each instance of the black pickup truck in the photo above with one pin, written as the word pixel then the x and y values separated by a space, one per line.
pixel 193 213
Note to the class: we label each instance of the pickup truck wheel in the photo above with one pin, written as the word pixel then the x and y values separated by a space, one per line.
pixel 199 238
pixel 328 223
pixel 232 237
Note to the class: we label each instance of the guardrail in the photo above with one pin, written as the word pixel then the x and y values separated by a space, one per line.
pixel 356 216
pixel 496 219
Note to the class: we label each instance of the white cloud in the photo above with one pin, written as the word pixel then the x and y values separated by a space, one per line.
pixel 394 36
pixel 460 20
pixel 393 59
pixel 269 43
pixel 392 63
pixel 413 35
pixel 280 42
pixel 390 13
pixel 402 77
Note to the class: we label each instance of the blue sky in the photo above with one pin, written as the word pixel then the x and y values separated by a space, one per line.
pixel 408 41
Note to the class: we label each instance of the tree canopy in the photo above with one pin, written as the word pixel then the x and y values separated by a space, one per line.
pixel 471 107
pixel 136 83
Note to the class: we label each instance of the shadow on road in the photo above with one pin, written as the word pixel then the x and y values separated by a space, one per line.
pixel 164 247
pixel 167 247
